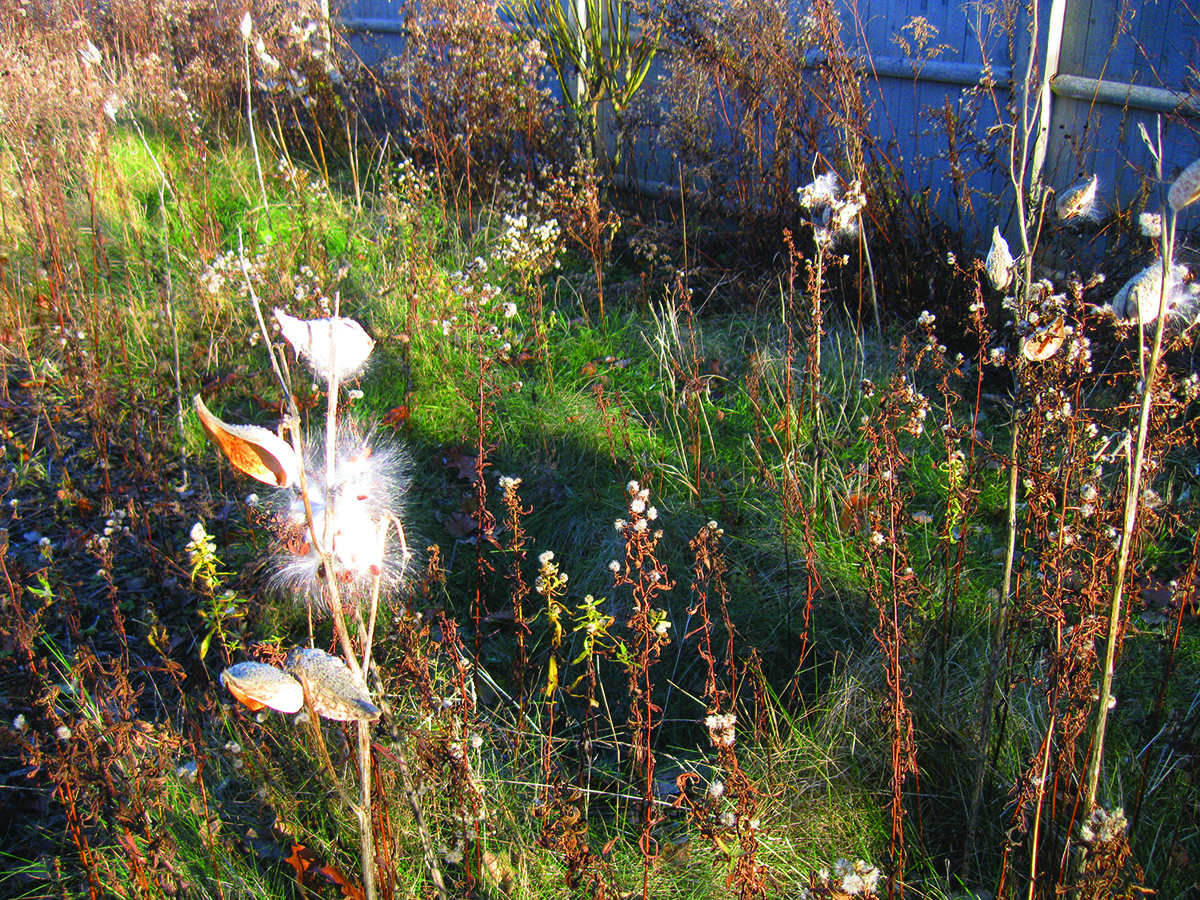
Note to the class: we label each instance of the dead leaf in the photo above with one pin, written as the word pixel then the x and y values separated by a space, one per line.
pixel 396 416
pixel 497 872
pixel 301 859
pixel 253 451
pixel 460 525
pixel 466 466
pixel 349 890
pixel 211 385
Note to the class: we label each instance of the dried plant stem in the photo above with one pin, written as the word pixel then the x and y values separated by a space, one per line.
pixel 1037 814
pixel 169 302
pixel 363 810
pixel 1133 491
pixel 414 802
pixel 866 253
pixel 983 714
pixel 262 186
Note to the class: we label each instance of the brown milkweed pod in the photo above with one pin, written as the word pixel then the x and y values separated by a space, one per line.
pixel 1044 344
pixel 999 262
pixel 252 450
pixel 257 685
pixel 1186 188
pixel 335 692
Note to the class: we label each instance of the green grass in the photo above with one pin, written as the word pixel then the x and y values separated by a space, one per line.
pixel 707 410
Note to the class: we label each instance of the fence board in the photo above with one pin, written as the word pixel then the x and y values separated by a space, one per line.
pixel 1094 126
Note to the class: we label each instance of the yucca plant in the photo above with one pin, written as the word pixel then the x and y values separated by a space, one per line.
pixel 600 51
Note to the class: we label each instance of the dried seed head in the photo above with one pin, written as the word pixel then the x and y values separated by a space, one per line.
pixel 1186 189
pixel 257 685
pixel 354 522
pixel 336 692
pixel 999 262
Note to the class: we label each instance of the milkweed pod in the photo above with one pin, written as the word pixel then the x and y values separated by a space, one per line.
pixel 999 262
pixel 335 692
pixel 332 347
pixel 1186 189
pixel 257 685
pixel 252 450
pixel 1078 201
pixel 1044 344
pixel 1144 296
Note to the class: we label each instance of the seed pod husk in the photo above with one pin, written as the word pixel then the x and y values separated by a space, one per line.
pixel 1078 201
pixel 251 449
pixel 1144 295
pixel 330 346
pixel 335 692
pixel 1186 188
pixel 1000 262
pixel 257 685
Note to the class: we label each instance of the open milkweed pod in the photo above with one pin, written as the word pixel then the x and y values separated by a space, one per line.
pixel 336 692
pixel 1144 296
pixel 999 262
pixel 257 685
pixel 252 450
pixel 356 509
pixel 1186 188
pixel 338 343
pixel 1078 201
pixel 1045 343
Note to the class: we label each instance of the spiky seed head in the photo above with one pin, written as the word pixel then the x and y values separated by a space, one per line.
pixel 353 516
pixel 999 262
pixel 1078 201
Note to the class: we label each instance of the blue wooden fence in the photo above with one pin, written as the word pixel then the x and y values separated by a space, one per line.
pixel 1104 67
